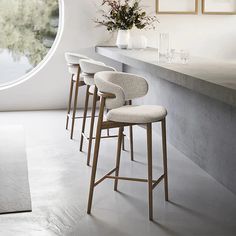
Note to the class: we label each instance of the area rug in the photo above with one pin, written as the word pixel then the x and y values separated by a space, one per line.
pixel 14 184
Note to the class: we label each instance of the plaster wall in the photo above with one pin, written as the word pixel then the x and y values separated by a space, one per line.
pixel 207 36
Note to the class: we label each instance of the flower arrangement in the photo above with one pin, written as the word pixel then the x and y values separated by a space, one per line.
pixel 124 15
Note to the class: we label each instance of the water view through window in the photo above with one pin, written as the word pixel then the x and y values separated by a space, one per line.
pixel 28 29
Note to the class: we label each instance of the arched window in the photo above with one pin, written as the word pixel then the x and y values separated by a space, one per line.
pixel 28 29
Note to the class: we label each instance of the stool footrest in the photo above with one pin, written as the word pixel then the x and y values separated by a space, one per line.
pixel 105 176
pixel 111 125
pixel 81 83
pixel 109 176
pixel 158 181
pixel 107 136
pixel 78 117
pixel 129 179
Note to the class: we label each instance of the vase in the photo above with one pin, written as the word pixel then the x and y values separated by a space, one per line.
pixel 123 38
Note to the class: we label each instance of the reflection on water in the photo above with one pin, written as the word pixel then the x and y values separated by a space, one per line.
pixel 27 31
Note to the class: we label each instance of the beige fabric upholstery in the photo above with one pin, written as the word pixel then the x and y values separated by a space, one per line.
pixel 91 89
pixel 74 71
pixel 137 114
pixel 125 86
pixel 90 67
pixel 89 79
pixel 74 58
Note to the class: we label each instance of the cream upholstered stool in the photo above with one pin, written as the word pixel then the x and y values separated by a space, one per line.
pixel 114 88
pixel 89 68
pixel 72 60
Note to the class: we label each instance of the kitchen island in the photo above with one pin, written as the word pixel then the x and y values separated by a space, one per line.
pixel 200 97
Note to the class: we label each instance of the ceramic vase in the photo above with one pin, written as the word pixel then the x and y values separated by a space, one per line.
pixel 123 38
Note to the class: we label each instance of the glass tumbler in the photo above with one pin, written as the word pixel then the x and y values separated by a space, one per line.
pixel 184 56
pixel 164 44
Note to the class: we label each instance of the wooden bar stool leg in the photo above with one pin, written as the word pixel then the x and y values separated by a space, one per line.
pixel 131 139
pixel 92 125
pixel 131 143
pixel 70 99
pixel 96 153
pixel 121 129
pixel 84 118
pixel 94 170
pixel 164 146
pixel 150 190
pixel 108 130
pixel 123 142
pixel 75 105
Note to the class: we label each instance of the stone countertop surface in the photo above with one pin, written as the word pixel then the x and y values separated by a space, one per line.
pixel 213 78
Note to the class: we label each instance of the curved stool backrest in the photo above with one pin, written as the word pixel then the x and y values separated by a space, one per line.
pixel 125 87
pixel 74 58
pixel 90 67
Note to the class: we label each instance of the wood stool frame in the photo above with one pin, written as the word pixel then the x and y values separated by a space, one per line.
pixel 90 138
pixel 78 84
pixel 151 183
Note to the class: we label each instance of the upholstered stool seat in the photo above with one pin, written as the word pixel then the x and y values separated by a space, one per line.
pixel 89 79
pixel 73 70
pixel 142 114
pixel 92 89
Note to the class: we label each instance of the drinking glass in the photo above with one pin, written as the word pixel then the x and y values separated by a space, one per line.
pixel 164 44
pixel 184 56
pixel 171 55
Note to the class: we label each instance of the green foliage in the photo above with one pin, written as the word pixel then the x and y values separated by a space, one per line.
pixel 25 25
pixel 125 15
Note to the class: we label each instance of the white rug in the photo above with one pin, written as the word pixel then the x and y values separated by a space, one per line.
pixel 14 184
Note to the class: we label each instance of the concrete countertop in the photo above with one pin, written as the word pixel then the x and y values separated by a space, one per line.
pixel 216 79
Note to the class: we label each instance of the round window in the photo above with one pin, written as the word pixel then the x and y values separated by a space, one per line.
pixel 28 29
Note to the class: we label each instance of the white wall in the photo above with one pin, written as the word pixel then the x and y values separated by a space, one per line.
pixel 49 88
pixel 208 36
pixel 212 36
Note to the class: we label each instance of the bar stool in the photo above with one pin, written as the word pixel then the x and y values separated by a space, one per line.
pixel 72 60
pixel 89 69
pixel 114 88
